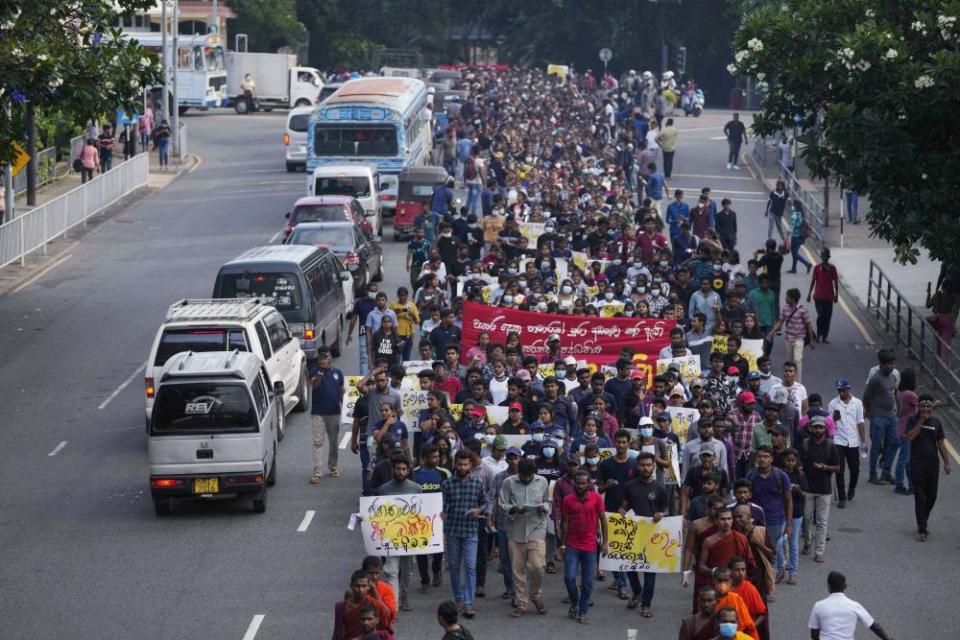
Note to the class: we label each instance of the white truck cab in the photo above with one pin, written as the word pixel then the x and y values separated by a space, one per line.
pixel 213 433
pixel 248 325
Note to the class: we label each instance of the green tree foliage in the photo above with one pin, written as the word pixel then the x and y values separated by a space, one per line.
pixel 876 87
pixel 65 55
pixel 268 25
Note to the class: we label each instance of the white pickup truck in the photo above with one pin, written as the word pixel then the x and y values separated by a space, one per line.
pixel 280 82
pixel 224 325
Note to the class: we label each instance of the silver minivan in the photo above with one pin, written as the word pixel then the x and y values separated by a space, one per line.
pixel 213 430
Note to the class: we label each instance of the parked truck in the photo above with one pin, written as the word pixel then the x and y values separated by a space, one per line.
pixel 280 82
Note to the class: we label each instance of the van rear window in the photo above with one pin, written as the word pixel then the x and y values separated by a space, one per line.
pixel 357 186
pixel 299 122
pixel 283 288
pixel 203 407
pixel 174 341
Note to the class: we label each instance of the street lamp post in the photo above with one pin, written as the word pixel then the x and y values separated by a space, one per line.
pixel 165 105
pixel 175 110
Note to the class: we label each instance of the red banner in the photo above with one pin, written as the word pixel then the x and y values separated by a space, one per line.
pixel 589 338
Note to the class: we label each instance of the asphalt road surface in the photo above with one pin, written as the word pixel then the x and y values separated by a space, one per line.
pixel 82 555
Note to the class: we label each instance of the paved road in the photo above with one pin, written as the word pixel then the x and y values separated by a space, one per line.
pixel 84 557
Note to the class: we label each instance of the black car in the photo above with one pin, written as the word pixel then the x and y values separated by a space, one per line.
pixel 359 253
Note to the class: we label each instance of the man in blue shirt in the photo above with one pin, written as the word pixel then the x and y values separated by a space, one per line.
pixel 361 308
pixel 442 197
pixel 677 211
pixel 375 316
pixel 656 188
pixel 326 400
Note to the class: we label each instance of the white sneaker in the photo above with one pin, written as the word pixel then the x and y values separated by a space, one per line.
pixel 729 166
pixel 737 167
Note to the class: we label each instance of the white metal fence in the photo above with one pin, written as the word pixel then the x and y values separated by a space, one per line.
pixel 34 229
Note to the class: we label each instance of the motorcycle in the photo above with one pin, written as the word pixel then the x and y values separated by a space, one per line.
pixel 692 103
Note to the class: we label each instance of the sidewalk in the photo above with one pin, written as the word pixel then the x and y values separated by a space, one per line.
pixel 13 276
pixel 852 251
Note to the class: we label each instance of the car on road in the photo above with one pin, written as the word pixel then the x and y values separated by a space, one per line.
pixel 358 180
pixel 214 429
pixel 305 284
pixel 362 257
pixel 326 209
pixel 295 138
pixel 249 325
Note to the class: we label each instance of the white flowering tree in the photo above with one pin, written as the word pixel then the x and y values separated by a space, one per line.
pixel 65 55
pixel 876 85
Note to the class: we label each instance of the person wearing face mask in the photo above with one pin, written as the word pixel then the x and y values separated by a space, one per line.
pixel 647 498
pixel 524 499
pixel 728 623
pixel 531 448
pixel 727 600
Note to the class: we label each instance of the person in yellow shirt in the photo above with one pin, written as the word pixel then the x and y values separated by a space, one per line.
pixel 728 622
pixel 408 318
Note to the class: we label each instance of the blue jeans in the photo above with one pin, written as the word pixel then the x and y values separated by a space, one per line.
pixel 776 535
pixel 364 358
pixel 586 562
pixel 649 584
pixel 903 463
pixel 794 543
pixel 883 441
pixel 473 197
pixel 462 550
pixel 505 567
pixel 773 221
pixel 795 243
pixel 853 206
pixel 163 145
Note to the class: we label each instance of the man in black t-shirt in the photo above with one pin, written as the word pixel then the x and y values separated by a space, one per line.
pixel 647 498
pixel 772 261
pixel 925 434
pixel 820 459
pixel 736 136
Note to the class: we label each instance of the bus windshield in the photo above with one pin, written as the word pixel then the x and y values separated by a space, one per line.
pixel 355 140
pixel 214 58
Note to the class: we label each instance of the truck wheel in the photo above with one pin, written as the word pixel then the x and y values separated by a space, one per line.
pixel 240 105
pixel 260 502
pixel 272 476
pixel 161 506
pixel 303 392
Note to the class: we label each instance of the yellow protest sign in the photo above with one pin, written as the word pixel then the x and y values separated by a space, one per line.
pixel 402 525
pixel 749 349
pixel 547 369
pixel 689 367
pixel 456 410
pixel 640 544
pixel 487 294
pixel 413 402
pixel 611 309
pixel 350 396
pixel 680 420
pixel 531 231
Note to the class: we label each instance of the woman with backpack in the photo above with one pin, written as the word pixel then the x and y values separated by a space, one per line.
pixel 161 138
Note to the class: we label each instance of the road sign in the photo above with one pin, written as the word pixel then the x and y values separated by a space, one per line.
pixel 605 55
pixel 20 160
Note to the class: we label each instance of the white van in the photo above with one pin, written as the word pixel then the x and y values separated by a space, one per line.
pixel 295 138
pixel 360 180
pixel 214 428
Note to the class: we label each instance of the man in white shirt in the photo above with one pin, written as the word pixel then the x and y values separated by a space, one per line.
pixel 796 392
pixel 678 341
pixel 835 617
pixel 847 412
pixel 767 380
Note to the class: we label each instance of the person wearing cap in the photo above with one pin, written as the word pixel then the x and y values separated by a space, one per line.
pixel 754 380
pixel 815 402
pixel 820 460
pixel 779 443
pixel 850 438
pixel 746 423
pixel 925 433
pixel 696 394
pixel 515 425
pixel 531 448
pixel 496 448
pixel 703 442
pixel 825 291
pixel 553 349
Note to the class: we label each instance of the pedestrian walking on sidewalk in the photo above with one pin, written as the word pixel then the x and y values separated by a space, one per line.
pixel 106 143
pixel 162 141
pixel 797 237
pixel 89 160
pixel 926 441
pixel 941 304
pixel 853 205
pixel 776 205
pixel 327 388
pixel 667 139
pixel 145 127
pixel 880 405
pixel 825 291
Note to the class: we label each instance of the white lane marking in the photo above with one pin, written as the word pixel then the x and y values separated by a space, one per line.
pixel 307 519
pixel 692 175
pixel 47 269
pixel 254 627
pixel 345 440
pixel 57 449
pixel 122 386
pixel 274 237
pixel 691 189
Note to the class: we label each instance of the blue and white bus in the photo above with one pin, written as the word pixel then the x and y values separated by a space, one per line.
pixel 380 121
pixel 200 68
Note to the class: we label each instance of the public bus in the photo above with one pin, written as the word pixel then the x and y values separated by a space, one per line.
pixel 201 70
pixel 380 121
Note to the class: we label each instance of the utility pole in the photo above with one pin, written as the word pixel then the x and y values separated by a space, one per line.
pixel 165 105
pixel 31 122
pixel 8 177
pixel 175 110
pixel 215 23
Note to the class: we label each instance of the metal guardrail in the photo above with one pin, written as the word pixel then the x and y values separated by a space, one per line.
pixel 812 206
pixel 912 331
pixel 34 229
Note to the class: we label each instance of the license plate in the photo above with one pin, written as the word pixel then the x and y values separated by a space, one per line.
pixel 206 485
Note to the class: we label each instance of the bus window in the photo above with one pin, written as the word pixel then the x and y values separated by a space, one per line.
pixel 198 58
pixel 355 140
pixel 214 57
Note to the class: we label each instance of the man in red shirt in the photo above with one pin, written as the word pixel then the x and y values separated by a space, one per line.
pixel 825 290
pixel 582 514
pixel 649 241
pixel 443 381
